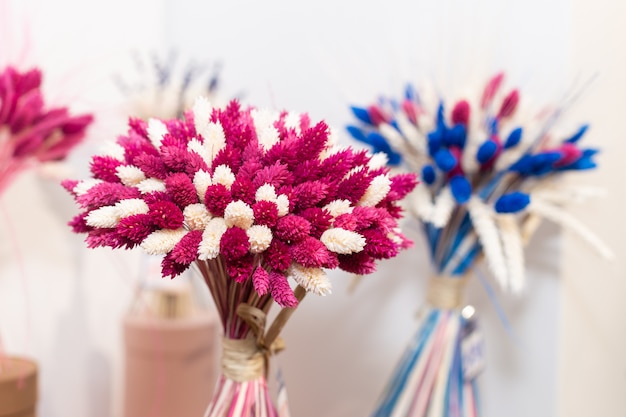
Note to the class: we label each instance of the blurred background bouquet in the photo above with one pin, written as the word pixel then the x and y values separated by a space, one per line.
pixel 489 171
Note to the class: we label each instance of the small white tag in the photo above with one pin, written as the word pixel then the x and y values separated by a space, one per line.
pixel 282 402
pixel 473 354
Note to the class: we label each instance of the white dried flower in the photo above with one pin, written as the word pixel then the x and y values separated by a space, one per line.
pixel 223 175
pixel 156 131
pixel 260 238
pixel 338 207
pixel 377 190
pixel 282 202
pixel 162 241
pixel 292 121
pixel 202 110
pixel 130 175
pixel 214 139
pixel 266 133
pixel 378 160
pixel 85 185
pixel 343 241
pixel 266 192
pixel 442 208
pixel 238 213
pixel 112 149
pixel 202 180
pixel 194 145
pixel 103 217
pixel 311 279
pixel 132 206
pixel 210 246
pixel 196 216
pixel 151 185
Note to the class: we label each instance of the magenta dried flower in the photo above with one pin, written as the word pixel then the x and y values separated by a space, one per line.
pixel 166 215
pixel 265 213
pixel 186 251
pixel 151 165
pixel 106 194
pixel 292 228
pixel 136 228
pixel 234 243
pixel 261 281
pixel 180 187
pixel 105 168
pixel 217 198
pixel 312 253
pixel 277 256
pixel 281 291
pixel 240 269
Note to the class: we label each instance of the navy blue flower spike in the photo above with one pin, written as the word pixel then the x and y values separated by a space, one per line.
pixel 512 203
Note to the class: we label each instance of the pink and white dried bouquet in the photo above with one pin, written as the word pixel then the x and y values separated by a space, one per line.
pixel 255 199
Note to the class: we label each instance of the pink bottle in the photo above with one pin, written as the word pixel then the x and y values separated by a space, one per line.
pixel 171 355
pixel 18 387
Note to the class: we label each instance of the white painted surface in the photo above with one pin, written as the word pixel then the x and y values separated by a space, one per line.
pixel 592 365
pixel 319 57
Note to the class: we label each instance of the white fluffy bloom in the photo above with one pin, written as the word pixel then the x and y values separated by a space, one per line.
pixel 132 206
pixel 156 131
pixel 282 202
pixel 194 145
pixel 442 208
pixel 85 185
pixel 214 139
pixel 202 180
pixel 292 121
pixel 377 190
pixel 264 125
pixel 112 149
pixel 196 216
pixel 338 207
pixel 103 217
pixel 343 241
pixel 210 246
pixel 378 160
pixel 130 175
pixel 223 175
pixel 266 192
pixel 238 213
pixel 213 133
pixel 311 279
pixel 260 238
pixel 151 185
pixel 421 203
pixel 482 217
pixel 202 110
pixel 162 241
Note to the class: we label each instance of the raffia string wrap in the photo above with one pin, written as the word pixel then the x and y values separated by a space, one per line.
pixel 242 360
pixel 248 359
pixel 446 292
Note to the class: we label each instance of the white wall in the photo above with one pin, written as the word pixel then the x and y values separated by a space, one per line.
pixel 64 309
pixel 592 365
pixel 318 57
